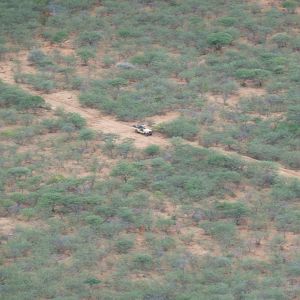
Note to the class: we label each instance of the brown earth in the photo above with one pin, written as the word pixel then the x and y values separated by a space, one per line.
pixel 9 224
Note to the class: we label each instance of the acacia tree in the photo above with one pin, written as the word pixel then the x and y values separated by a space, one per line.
pixel 227 89
pixel 115 86
pixel 219 40
pixel 89 38
pixel 18 174
pixel 281 39
pixel 50 200
pixel 258 76
pixel 235 210
pixel 124 170
pixel 125 148
pixel 86 135
pixel 86 54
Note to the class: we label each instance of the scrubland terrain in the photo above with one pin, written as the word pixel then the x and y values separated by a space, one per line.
pixel 207 207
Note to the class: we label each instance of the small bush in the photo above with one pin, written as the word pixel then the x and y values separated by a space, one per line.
pixel 37 57
pixel 89 38
pixel 181 127
pixel 236 210
pixel 166 244
pixel 286 191
pixel 29 213
pixel 291 159
pixel 228 21
pixel 92 281
pixel 152 150
pixel 143 262
pixel 281 39
pixel 124 245
pixel 258 76
pixel 51 125
pixel 86 54
pixel 219 39
pixel 75 119
pixel 86 135
pixel 222 231
pixel 11 96
pixel 40 81
pixel 9 116
pixel 94 220
pixel 59 37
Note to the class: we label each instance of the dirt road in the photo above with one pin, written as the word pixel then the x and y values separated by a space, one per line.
pixel 108 124
pixel 100 122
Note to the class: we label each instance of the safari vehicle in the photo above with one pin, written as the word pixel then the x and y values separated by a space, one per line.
pixel 143 129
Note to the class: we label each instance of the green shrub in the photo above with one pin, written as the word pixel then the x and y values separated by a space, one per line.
pixel 124 245
pixel 181 127
pixel 150 57
pixel 281 39
pixel 290 5
pixel 19 171
pixel 40 81
pixel 286 191
pixel 236 210
pixel 37 57
pixel 165 223
pixel 59 37
pixel 3 51
pixel 86 54
pixel 257 75
pixel 152 150
pixel 166 244
pixel 89 38
pixel 32 102
pixel 263 151
pixel 143 262
pixel 75 119
pixel 125 170
pixel 293 114
pixel 108 61
pixel 9 116
pixel 261 174
pixel 86 135
pixel 288 220
pixel 12 96
pixel 294 268
pixel 295 44
pixel 129 32
pixel 125 148
pixel 222 231
pixel 219 40
pixel 94 220
pixel 51 125
pixel 29 213
pixel 92 281
pixel 291 159
pixel 227 21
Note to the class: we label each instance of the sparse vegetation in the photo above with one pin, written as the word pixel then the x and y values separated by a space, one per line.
pixel 88 214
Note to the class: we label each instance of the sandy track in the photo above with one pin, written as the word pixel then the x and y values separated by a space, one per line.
pixel 110 125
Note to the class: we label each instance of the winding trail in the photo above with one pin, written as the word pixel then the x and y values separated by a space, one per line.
pixel 110 125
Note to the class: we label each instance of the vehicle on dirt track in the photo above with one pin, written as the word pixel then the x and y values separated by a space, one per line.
pixel 143 129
